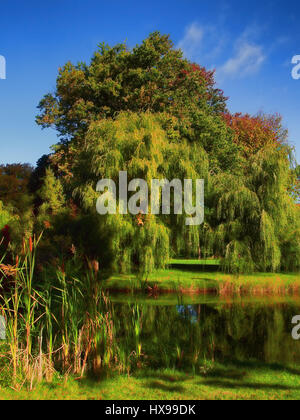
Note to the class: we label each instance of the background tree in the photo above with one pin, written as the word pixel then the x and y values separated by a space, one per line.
pixel 152 77
pixel 253 133
pixel 14 181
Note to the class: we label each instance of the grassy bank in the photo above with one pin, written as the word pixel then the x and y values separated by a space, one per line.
pixel 243 381
pixel 201 282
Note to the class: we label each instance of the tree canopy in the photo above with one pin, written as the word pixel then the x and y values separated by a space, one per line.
pixel 151 77
pixel 153 113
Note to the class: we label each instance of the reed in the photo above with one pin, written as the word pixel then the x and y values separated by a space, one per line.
pixel 59 324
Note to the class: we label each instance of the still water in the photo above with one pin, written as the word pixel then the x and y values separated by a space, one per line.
pixel 172 332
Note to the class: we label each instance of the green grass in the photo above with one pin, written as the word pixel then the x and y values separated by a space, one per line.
pixel 231 382
pixel 191 281
pixel 195 262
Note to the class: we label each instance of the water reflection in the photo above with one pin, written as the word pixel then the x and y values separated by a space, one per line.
pixel 179 335
pixel 187 312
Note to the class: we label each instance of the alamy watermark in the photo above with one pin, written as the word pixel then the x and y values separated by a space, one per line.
pixel 2 328
pixel 296 68
pixel 296 329
pixel 159 197
pixel 2 67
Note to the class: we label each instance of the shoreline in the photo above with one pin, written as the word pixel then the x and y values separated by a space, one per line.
pixel 186 282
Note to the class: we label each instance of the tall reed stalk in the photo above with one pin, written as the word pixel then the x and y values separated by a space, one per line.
pixel 61 322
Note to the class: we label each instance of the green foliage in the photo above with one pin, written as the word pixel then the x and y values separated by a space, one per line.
pixel 256 220
pixel 251 221
pixel 14 180
pixel 52 197
pixel 5 216
pixel 295 183
pixel 139 145
pixel 152 77
pixel 51 194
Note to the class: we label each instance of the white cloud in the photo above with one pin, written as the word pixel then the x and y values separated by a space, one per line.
pixel 195 49
pixel 204 43
pixel 192 40
pixel 248 59
pixel 248 55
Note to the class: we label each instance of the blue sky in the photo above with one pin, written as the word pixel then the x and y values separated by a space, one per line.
pixel 249 43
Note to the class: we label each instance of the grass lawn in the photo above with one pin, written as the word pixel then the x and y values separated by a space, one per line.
pixel 243 381
pixel 194 262
pixel 201 281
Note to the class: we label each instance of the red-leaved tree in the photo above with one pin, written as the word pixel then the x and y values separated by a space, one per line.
pixel 252 133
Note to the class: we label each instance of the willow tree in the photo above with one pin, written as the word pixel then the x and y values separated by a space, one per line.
pixel 256 225
pixel 147 147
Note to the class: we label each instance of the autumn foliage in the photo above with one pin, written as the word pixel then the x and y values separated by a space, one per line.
pixel 253 133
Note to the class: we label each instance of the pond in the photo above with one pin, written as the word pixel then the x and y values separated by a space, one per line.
pixel 194 332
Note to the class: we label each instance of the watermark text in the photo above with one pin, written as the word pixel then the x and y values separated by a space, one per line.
pixel 2 67
pixel 159 198
pixel 296 68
